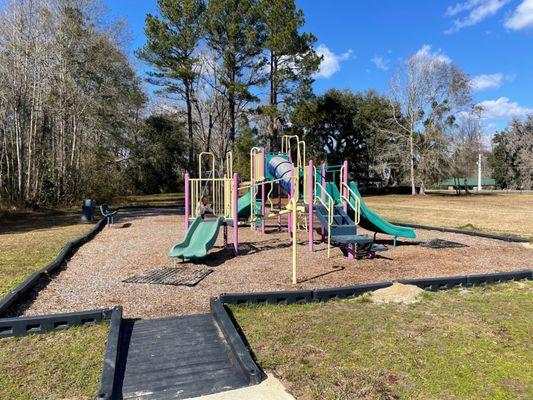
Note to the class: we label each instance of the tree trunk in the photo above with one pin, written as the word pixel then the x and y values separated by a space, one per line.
pixel 273 103
pixel 189 125
pixel 412 168
pixel 231 104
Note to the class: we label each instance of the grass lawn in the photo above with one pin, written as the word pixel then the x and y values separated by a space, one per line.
pixel 507 214
pixel 30 240
pixel 460 344
pixel 165 199
pixel 59 365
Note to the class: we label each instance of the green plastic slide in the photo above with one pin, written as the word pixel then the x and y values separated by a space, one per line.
pixel 372 221
pixel 244 205
pixel 200 238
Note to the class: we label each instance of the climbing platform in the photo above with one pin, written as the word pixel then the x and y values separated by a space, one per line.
pixel 180 358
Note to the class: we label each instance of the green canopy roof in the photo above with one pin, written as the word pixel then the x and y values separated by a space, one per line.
pixel 470 182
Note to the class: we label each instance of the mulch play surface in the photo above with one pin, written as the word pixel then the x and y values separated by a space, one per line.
pixel 140 240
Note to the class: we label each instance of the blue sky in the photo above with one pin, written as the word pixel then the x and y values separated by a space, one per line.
pixel 363 41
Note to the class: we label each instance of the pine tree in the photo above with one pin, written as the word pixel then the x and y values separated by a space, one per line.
pixel 234 32
pixel 292 60
pixel 172 43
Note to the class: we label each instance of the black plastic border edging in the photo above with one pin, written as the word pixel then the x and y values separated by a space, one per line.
pixel 32 280
pixel 249 368
pixel 430 284
pixel 22 326
pixel 465 232
pixel 107 380
pixel 281 297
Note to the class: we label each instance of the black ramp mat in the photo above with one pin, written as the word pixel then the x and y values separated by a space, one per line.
pixel 176 358
pixel 171 276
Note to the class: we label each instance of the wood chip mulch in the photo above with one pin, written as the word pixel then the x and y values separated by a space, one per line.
pixel 140 240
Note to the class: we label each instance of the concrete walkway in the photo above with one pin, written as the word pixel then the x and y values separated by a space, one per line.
pixel 270 389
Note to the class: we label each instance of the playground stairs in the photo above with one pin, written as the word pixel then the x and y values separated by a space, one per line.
pixel 343 229
pixel 176 358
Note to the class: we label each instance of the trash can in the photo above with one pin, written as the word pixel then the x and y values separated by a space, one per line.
pixel 87 210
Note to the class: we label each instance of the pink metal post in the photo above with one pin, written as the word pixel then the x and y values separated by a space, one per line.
pixel 187 201
pixel 310 191
pixel 323 195
pixel 279 206
pixel 350 246
pixel 236 213
pixel 345 182
pixel 263 209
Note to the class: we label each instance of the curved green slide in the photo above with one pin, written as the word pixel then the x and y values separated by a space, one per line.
pixel 244 205
pixel 200 238
pixel 372 221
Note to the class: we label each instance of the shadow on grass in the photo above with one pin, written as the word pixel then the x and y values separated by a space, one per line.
pixel 20 222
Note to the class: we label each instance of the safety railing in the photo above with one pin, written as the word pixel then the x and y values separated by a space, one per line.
pixel 299 165
pixel 219 192
pixel 211 157
pixel 356 207
pixel 329 206
pixel 269 193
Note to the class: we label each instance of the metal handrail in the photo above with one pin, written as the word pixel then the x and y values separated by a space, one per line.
pixel 210 179
pixel 357 206
pixel 206 153
pixel 329 208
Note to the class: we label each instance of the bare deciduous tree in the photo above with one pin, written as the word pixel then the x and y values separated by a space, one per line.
pixel 428 92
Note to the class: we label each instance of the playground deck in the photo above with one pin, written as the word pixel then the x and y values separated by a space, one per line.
pixel 141 239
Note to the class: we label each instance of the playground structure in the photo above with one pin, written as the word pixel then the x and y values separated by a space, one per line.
pixel 281 183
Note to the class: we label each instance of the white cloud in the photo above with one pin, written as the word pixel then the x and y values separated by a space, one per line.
pixel 522 17
pixel 380 63
pixel 503 108
pixel 477 11
pixel 425 54
pixel 331 62
pixel 484 81
pixel 458 8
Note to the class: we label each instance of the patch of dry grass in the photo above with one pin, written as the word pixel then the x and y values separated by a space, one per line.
pixel 164 199
pixel 59 365
pixel 504 214
pixel 459 344
pixel 31 240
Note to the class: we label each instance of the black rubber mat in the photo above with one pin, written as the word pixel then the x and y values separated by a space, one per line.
pixel 175 358
pixel 442 244
pixel 171 276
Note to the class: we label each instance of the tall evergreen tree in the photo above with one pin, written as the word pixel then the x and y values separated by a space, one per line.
pixel 234 32
pixel 171 49
pixel 292 60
